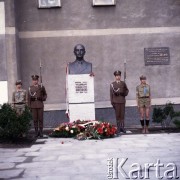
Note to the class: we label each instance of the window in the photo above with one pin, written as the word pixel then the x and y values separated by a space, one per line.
pixel 49 3
pixel 104 2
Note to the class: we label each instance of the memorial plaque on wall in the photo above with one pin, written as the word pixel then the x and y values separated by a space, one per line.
pixel 156 56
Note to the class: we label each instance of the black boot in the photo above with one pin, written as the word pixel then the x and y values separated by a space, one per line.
pixel 41 132
pixel 118 127
pixel 36 132
pixel 142 124
pixel 122 128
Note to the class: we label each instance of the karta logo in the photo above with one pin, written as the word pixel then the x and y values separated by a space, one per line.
pixel 138 171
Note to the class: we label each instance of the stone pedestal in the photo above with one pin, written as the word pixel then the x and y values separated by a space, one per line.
pixel 80 97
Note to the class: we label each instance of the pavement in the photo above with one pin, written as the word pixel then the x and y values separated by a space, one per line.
pixel 115 158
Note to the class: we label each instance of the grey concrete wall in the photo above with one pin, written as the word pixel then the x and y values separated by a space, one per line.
pixel 78 14
pixel 53 119
pixel 10 44
pixel 3 68
pixel 106 51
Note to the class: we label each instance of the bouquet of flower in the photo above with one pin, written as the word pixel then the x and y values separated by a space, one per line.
pixel 65 130
pixel 99 130
pixel 85 130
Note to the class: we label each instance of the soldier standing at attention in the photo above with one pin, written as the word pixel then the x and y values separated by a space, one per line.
pixel 118 92
pixel 37 94
pixel 19 98
pixel 143 98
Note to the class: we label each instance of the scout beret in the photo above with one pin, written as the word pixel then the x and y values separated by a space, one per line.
pixel 35 77
pixel 117 73
pixel 142 77
pixel 18 82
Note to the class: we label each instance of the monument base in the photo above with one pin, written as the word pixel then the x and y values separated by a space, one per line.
pixel 81 112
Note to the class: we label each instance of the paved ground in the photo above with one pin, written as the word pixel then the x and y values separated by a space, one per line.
pixel 70 159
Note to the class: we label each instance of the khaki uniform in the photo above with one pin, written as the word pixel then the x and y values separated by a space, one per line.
pixel 118 91
pixel 143 95
pixel 19 100
pixel 36 96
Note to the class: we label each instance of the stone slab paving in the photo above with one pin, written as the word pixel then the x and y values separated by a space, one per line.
pixel 70 159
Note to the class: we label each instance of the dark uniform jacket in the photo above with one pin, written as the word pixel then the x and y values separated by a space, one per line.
pixel 118 91
pixel 36 96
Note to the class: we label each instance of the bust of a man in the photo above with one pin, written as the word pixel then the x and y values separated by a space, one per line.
pixel 80 66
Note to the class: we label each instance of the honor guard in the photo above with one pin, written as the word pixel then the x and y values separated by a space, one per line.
pixel 143 98
pixel 37 94
pixel 19 98
pixel 118 92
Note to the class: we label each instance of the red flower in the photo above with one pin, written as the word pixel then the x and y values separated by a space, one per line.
pixel 100 130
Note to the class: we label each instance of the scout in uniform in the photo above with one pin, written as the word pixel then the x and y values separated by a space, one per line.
pixel 37 94
pixel 118 92
pixel 19 98
pixel 143 98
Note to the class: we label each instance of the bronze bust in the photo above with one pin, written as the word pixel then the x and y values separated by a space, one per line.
pixel 80 66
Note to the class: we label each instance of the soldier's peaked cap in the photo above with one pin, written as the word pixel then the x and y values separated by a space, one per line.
pixel 142 77
pixel 18 82
pixel 35 77
pixel 117 73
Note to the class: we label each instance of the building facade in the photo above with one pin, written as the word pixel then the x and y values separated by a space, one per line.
pixel 112 35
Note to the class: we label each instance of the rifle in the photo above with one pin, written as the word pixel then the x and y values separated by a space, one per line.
pixel 125 70
pixel 40 69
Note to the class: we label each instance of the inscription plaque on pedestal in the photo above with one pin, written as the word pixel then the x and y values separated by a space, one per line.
pixel 80 88
pixel 81 97
pixel 157 56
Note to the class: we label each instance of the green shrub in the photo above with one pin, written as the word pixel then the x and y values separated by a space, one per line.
pixel 165 115
pixel 13 126
pixel 158 115
pixel 177 123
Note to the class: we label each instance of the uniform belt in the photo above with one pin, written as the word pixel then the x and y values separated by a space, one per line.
pixel 36 99
pixel 20 103
pixel 145 97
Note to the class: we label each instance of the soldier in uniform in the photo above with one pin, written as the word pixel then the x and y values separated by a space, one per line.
pixel 143 98
pixel 118 92
pixel 19 98
pixel 37 94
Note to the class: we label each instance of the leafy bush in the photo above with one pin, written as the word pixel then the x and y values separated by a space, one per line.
pixel 164 115
pixel 13 126
pixel 158 115
pixel 177 123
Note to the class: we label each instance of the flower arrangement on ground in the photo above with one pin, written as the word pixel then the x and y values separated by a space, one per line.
pixel 82 130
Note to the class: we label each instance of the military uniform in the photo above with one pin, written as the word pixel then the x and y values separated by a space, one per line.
pixel 143 95
pixel 19 99
pixel 118 92
pixel 36 96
